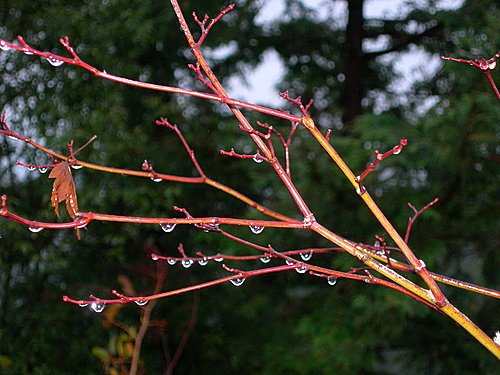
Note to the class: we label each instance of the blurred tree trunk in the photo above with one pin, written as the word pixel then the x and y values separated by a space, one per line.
pixel 354 62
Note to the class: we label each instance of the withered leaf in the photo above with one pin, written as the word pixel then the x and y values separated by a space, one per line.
pixel 63 189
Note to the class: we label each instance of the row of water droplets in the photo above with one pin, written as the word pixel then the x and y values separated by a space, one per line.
pixel 98 306
pixel 52 60
pixel 43 170
pixel 169 227
pixel 186 263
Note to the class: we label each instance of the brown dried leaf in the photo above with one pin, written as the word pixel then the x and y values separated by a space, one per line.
pixel 63 189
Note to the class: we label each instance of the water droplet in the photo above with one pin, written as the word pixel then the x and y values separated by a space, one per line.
pixel 81 226
pixel 42 170
pixel 306 256
pixel 54 61
pixel 31 168
pixel 35 229
pixel 376 244
pixel 4 46
pixel 301 268
pixel 256 158
pixel 203 262
pixel 98 306
pixel 360 190
pixel 332 280
pixel 141 302
pixel 186 263
pixel 256 229
pixel 156 179
pixel 83 304
pixel 397 151
pixel 238 281
pixel 171 261
pixel 265 259
pixel 289 262
pixel 154 257
pixel 76 166
pixel 167 227
pixel 219 259
pixel 12 137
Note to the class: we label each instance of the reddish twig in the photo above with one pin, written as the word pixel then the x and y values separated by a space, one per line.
pixel 205 29
pixel 149 172
pixel 379 157
pixel 201 78
pixel 187 332
pixel 298 102
pixel 328 134
pixel 164 122
pixel 98 304
pixel 257 157
pixel 145 321
pixel 411 220
pixel 76 61
pixel 485 65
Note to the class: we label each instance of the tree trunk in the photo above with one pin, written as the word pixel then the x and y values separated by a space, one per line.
pixel 354 62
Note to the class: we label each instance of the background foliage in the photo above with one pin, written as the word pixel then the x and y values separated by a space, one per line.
pixel 276 324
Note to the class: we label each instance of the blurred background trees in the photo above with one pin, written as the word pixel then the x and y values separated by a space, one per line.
pixel 354 67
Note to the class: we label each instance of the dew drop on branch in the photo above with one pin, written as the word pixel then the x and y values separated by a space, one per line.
pixel 141 302
pixel 256 158
pixel 265 259
pixel 83 304
pixel 156 179
pixel 167 227
pixel 27 51
pixel 289 262
pixel 54 61
pixel 360 190
pixel 306 256
pixel 31 168
pixel 171 261
pixel 332 280
pixel 4 46
pixel 219 259
pixel 35 229
pixel 154 257
pixel 186 263
pixel 256 229
pixel 301 268
pixel 81 226
pixel 203 262
pixel 42 170
pixel 239 281
pixel 12 137
pixel 76 166
pixel 98 306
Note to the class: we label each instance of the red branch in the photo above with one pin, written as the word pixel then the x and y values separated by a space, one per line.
pixel 76 61
pixel 411 220
pixel 257 157
pixel 298 102
pixel 205 29
pixel 201 77
pixel 379 157
pixel 485 65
